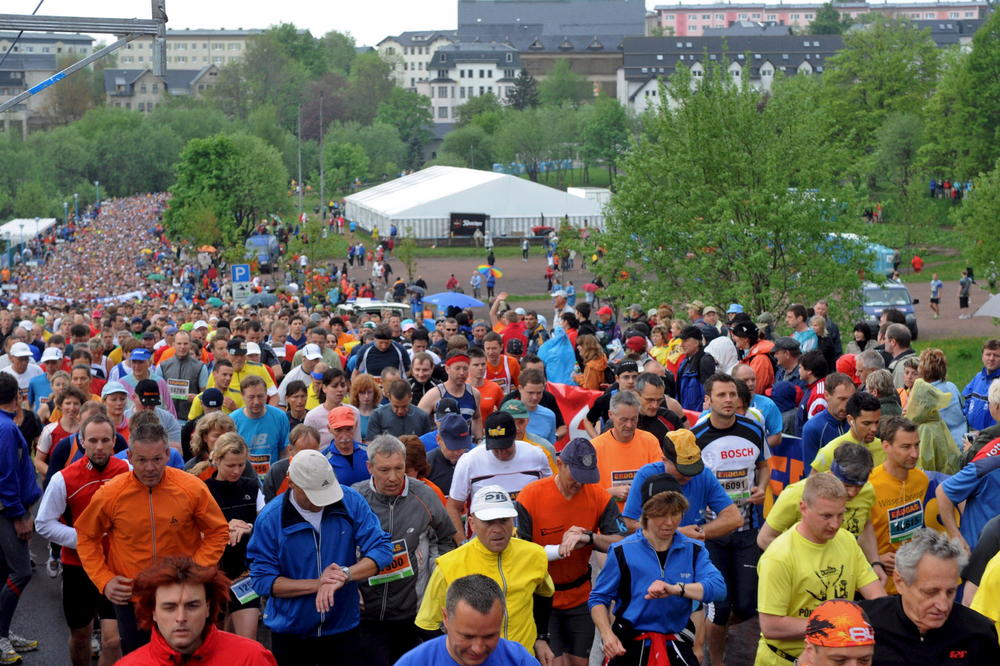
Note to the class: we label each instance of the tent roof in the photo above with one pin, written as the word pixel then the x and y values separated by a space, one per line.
pixel 438 191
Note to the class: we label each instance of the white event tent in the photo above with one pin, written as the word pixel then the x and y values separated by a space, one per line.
pixel 421 204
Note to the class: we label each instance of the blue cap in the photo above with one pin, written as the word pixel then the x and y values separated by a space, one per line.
pixel 140 354
pixel 734 308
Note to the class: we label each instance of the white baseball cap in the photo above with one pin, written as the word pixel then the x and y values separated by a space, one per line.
pixel 253 348
pixel 52 354
pixel 490 503
pixel 310 351
pixel 201 323
pixel 310 471
pixel 20 349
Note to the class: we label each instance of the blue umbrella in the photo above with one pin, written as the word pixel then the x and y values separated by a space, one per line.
pixel 447 299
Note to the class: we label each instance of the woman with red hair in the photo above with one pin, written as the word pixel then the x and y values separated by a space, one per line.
pixel 180 601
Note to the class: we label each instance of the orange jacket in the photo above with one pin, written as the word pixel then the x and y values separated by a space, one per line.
pixel 177 517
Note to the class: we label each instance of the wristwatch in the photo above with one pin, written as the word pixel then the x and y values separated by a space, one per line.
pixel 347 572
pixel 590 533
pixel 544 637
pixel 681 585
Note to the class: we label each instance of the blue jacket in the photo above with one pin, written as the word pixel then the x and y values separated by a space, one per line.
pixel 817 433
pixel 284 544
pixel 687 562
pixel 18 488
pixel 977 408
pixel 691 377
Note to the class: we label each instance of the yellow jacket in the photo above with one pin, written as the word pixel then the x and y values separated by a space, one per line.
pixel 521 570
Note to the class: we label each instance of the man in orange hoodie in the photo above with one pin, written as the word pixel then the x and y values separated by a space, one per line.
pixel 135 519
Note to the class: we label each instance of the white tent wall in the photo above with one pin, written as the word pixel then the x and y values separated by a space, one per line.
pixel 420 204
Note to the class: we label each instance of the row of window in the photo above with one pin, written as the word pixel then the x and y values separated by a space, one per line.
pixel 183 46
pixel 809 17
pixel 10 92
pixel 43 49
pixel 216 60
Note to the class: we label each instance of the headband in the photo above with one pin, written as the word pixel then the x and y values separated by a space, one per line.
pixel 844 477
pixel 457 358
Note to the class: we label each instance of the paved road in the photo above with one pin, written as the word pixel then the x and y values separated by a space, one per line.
pixel 39 613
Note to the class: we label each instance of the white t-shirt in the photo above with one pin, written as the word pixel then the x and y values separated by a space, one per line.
pixel 24 378
pixel 314 518
pixel 479 468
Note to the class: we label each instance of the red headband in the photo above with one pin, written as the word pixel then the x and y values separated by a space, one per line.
pixel 458 358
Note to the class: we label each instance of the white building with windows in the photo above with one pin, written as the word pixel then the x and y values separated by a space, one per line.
pixel 649 60
pixel 189 49
pixel 459 72
pixel 410 54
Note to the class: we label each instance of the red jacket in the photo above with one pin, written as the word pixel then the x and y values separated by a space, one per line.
pixel 82 480
pixel 219 649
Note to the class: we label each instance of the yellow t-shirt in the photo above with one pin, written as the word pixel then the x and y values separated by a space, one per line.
pixel 796 575
pixel 824 457
pixel 785 511
pixel 248 370
pixel 197 409
pixel 987 599
pixel 312 397
pixel 901 508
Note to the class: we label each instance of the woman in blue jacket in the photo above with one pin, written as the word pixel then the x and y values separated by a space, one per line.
pixel 653 577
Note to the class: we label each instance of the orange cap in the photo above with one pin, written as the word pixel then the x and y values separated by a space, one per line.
pixel 839 623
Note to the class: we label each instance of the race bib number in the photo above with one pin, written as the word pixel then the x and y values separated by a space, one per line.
pixel 905 520
pixel 243 589
pixel 736 483
pixel 398 569
pixel 179 388
pixel 623 477
pixel 261 464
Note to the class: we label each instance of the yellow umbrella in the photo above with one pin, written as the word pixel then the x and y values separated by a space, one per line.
pixel 146 250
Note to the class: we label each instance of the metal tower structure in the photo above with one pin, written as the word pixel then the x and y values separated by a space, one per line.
pixel 125 29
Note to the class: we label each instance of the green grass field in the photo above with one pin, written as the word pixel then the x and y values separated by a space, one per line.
pixel 964 356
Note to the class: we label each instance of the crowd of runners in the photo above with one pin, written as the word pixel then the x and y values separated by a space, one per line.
pixel 223 484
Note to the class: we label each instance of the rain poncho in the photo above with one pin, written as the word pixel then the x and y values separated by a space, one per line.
pixel 938 452
pixel 724 352
pixel 557 354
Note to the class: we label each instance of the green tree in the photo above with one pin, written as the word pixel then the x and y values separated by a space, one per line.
pixel 711 202
pixel 887 67
pixel 605 133
pixel 371 84
pixel 339 50
pixel 476 106
pixel 345 162
pixel 524 94
pixel 977 219
pixel 468 146
pixel 898 142
pixel 233 179
pixel 963 117
pixel 31 200
pixel 563 85
pixel 301 46
pixel 71 98
pixel 266 74
pixel 524 139
pixel 188 123
pixel 410 113
pixel 829 21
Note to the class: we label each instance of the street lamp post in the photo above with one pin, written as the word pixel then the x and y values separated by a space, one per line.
pixel 97 193
pixel 66 213
pixel 76 206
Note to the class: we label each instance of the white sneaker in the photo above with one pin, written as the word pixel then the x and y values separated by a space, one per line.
pixel 22 644
pixel 52 567
pixel 7 653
